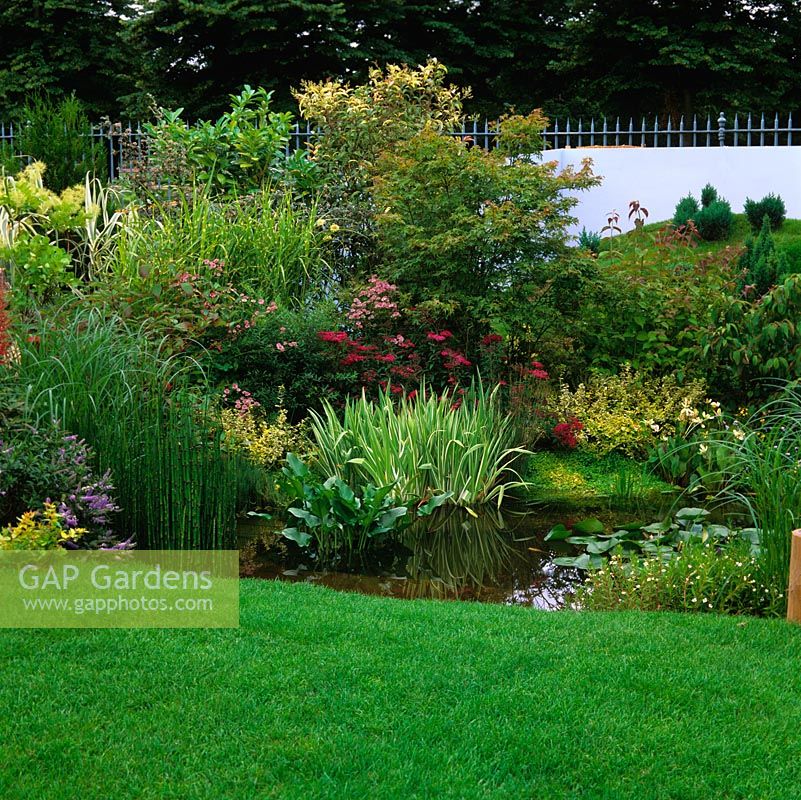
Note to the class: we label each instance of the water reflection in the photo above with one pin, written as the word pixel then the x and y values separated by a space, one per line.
pixel 494 557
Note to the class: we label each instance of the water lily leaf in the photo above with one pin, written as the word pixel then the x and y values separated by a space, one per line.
pixel 603 546
pixel 585 540
pixel 579 562
pixel 584 561
pixel 657 527
pixel 589 526
pixel 751 535
pixel 691 514
pixel 558 533
pixel 630 526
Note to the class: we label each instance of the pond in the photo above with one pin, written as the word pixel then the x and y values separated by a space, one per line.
pixel 494 558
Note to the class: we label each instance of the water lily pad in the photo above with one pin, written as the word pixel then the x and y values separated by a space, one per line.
pixel 691 514
pixel 589 527
pixel 558 533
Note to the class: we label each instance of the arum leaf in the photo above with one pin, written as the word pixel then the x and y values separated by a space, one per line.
pixel 294 535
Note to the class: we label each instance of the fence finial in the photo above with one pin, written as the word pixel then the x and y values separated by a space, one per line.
pixel 722 129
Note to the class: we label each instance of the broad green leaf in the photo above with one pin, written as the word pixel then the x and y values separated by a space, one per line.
pixel 558 533
pixel 589 526
pixel 293 534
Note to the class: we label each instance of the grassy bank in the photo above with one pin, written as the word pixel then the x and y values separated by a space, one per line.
pixel 585 480
pixel 787 238
pixel 324 695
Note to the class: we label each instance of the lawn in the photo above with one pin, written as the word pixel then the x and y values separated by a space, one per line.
pixel 325 695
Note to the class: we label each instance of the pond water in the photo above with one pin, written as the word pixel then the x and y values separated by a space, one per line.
pixel 495 558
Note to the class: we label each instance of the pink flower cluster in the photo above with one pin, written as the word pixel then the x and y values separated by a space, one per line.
pixel 399 341
pixel 439 337
pixel 243 400
pixel 373 298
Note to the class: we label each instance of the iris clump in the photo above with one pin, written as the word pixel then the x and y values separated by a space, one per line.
pixel 426 445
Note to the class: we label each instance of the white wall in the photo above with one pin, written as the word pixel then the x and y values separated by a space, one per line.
pixel 660 176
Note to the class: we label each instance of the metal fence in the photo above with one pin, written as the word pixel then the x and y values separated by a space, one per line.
pixel 748 130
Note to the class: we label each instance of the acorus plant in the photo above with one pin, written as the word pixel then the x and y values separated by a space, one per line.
pixel 424 445
pixel 177 484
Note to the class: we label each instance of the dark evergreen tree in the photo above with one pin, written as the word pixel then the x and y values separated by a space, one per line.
pixel 676 56
pixel 194 55
pixel 61 48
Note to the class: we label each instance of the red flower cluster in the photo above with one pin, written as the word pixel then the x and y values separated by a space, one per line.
pixel 536 371
pixel 454 359
pixel 439 337
pixel 351 359
pixel 565 432
pixel 491 339
pixel 333 336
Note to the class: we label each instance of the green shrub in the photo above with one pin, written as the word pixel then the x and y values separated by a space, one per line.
pixel 686 209
pixel 762 264
pixel 771 205
pixel 651 298
pixel 751 343
pixel 353 125
pixel 37 270
pixel 714 221
pixel 713 218
pixel 59 133
pixel 298 375
pixel 589 240
pixel 243 151
pixel 709 195
pixel 626 412
pixel 483 233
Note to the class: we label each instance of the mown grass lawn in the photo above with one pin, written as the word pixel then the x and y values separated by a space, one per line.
pixel 325 695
